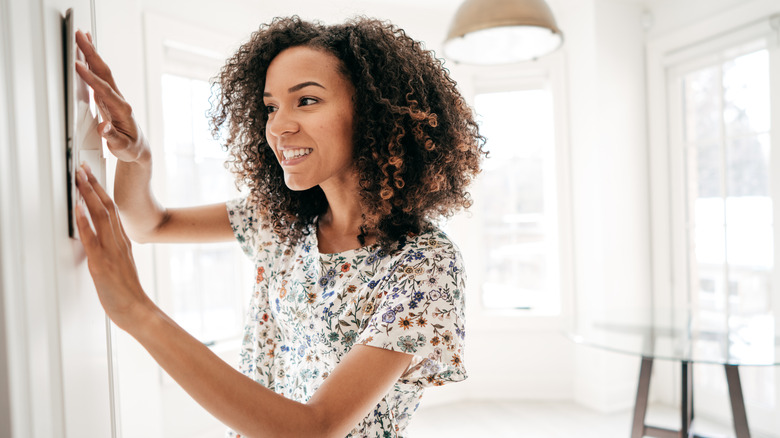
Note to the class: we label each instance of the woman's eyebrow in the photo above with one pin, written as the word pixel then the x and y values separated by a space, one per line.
pixel 300 86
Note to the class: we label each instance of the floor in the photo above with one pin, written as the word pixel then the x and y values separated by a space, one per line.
pixel 536 419
pixel 497 419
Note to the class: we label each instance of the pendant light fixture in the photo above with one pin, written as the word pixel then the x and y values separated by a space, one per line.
pixel 502 31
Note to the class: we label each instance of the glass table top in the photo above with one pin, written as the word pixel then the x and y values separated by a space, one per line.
pixel 681 334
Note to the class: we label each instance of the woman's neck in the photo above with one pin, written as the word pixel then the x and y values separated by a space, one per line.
pixel 338 228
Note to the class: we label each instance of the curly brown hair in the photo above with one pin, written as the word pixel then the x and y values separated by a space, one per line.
pixel 416 143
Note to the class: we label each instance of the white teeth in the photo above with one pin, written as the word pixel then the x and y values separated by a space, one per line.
pixel 295 153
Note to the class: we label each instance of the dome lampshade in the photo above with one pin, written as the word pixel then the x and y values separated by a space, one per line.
pixel 502 31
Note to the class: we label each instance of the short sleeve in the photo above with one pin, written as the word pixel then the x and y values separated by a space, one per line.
pixel 420 311
pixel 246 225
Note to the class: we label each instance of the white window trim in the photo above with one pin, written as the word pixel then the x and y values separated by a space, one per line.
pixel 549 72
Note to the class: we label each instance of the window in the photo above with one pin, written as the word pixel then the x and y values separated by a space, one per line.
pixel 721 184
pixel 728 207
pixel 203 282
pixel 516 199
pixel 203 287
pixel 515 236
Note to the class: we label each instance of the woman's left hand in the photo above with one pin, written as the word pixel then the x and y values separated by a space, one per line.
pixel 110 255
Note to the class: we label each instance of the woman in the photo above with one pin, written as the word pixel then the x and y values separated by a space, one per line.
pixel 352 141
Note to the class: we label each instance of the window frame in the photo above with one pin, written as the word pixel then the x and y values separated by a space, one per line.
pixel 702 56
pixel 549 73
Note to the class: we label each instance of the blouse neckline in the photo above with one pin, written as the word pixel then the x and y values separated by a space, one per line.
pixel 313 241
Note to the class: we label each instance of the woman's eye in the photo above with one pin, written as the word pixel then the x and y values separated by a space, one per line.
pixel 307 101
pixel 270 109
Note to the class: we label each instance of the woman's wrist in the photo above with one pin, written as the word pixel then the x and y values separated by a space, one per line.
pixel 141 320
pixel 145 155
pixel 141 163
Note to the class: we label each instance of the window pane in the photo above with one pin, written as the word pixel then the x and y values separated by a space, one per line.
pixel 702 105
pixel 515 189
pixel 177 114
pixel 727 165
pixel 745 86
pixel 705 171
pixel 747 159
pixel 205 280
pixel 749 238
pixel 749 206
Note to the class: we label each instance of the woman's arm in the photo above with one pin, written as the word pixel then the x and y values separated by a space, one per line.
pixel 357 384
pixel 146 219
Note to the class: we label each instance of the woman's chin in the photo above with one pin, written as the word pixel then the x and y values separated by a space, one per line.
pixel 297 186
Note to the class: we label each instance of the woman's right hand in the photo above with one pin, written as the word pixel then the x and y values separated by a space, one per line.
pixel 119 127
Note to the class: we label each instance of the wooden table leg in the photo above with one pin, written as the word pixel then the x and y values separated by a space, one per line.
pixel 639 429
pixel 642 392
pixel 737 402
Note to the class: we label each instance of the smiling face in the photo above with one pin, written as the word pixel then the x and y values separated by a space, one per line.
pixel 310 114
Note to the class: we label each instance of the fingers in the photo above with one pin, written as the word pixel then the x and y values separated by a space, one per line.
pixel 97 211
pixel 97 75
pixel 104 113
pixel 108 232
pixel 118 125
pixel 88 238
pixel 108 204
pixel 94 60
pixel 114 103
pixel 107 130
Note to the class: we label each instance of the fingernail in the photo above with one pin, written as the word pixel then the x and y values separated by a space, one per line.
pixel 81 175
pixel 85 165
pixel 107 129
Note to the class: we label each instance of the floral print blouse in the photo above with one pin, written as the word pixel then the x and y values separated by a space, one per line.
pixel 309 309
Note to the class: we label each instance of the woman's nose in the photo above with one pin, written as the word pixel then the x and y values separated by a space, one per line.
pixel 282 122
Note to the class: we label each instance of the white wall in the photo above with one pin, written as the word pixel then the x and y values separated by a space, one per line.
pixel 610 187
pixel 54 329
pixel 671 15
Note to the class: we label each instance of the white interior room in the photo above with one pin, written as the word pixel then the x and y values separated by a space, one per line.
pixel 605 116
